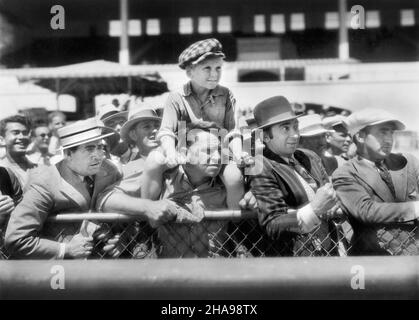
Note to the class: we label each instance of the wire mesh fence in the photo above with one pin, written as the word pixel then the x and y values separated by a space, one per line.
pixel 226 234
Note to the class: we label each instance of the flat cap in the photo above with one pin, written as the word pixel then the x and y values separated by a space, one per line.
pixel 370 117
pixel 200 50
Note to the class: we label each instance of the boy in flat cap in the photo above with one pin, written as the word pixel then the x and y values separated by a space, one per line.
pixel 379 189
pixel 202 100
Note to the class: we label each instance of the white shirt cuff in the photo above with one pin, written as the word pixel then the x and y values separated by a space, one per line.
pixel 416 203
pixel 61 253
pixel 307 219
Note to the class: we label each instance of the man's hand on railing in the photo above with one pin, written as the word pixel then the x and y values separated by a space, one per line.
pixel 248 202
pixel 114 247
pixel 79 247
pixel 160 212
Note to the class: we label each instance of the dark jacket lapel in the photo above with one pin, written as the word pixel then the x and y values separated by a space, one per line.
pixel 397 164
pixel 288 176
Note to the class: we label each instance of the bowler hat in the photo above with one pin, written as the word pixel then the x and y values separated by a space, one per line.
pixel 82 132
pixel 370 117
pixel 136 115
pixel 272 111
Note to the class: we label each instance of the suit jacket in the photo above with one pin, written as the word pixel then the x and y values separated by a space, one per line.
pixel 382 224
pixel 52 190
pixel 277 189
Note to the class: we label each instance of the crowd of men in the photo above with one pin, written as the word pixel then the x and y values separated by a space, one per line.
pixel 317 177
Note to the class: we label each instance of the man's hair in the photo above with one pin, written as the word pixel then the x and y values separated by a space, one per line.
pixel 16 118
pixel 268 131
pixel 200 126
pixel 364 131
pixel 71 150
pixel 38 125
pixel 54 114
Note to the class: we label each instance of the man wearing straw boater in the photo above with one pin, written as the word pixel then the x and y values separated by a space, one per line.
pixel 72 185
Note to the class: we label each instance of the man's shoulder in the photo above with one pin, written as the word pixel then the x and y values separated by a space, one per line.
pixel 45 176
pixel 109 168
pixel 302 152
pixel 134 167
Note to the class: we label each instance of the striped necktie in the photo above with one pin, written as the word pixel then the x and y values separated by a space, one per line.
pixel 386 176
pixel 90 184
pixel 303 173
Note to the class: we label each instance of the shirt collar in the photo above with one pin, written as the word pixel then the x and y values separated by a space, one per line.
pixel 369 162
pixel 187 90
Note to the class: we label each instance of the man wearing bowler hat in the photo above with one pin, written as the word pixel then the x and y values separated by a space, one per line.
pixel 293 193
pixel 379 189
pixel 72 185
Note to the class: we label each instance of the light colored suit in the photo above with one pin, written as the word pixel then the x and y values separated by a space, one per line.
pixel 52 190
pixel 383 224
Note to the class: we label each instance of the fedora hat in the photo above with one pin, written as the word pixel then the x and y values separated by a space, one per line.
pixel 371 117
pixel 311 125
pixel 82 132
pixel 272 111
pixel 135 116
pixel 110 112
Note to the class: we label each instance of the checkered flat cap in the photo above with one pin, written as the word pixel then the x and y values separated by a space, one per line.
pixel 200 50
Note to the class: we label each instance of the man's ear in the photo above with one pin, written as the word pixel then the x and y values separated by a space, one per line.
pixel 132 135
pixel 266 137
pixel 189 70
pixel 2 140
pixel 360 137
pixel 328 137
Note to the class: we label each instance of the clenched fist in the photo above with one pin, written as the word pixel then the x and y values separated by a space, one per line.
pixel 324 200
pixel 160 212
pixel 79 247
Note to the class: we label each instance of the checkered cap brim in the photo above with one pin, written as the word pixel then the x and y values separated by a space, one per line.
pixel 199 50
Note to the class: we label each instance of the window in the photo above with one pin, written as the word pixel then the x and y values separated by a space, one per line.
pixel 277 23
pixel 115 28
pixel 186 25
pixel 373 19
pixel 153 27
pixel 407 17
pixel 332 20
pixel 204 25
pixel 134 27
pixel 259 23
pixel 224 24
pixel 297 21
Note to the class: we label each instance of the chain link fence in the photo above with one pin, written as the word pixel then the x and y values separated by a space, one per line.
pixel 229 234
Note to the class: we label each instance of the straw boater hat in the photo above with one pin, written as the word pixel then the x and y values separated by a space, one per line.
pixel 110 112
pixel 135 116
pixel 82 132
pixel 311 125
pixel 272 111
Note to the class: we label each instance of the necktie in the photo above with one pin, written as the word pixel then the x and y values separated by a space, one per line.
pixel 385 175
pixel 90 184
pixel 303 173
pixel 46 161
